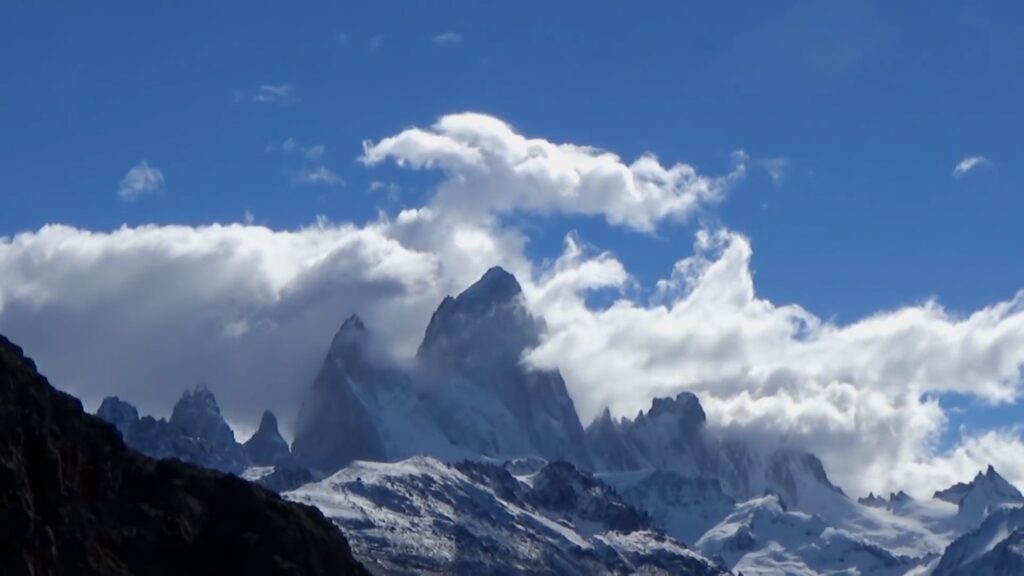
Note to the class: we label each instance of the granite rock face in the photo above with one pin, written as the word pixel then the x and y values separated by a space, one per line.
pixel 196 432
pixel 267 447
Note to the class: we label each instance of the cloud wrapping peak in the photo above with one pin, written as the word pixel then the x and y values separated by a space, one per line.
pixel 141 180
pixel 862 395
pixel 501 171
pixel 147 312
pixel 968 164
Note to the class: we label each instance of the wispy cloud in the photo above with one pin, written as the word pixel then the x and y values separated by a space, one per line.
pixel 319 175
pixel 968 164
pixel 776 168
pixel 448 39
pixel 375 42
pixel 141 180
pixel 280 94
pixel 291 145
pixel 342 38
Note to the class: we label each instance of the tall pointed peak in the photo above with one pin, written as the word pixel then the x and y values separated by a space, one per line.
pixel 268 423
pixel 350 336
pixel 490 311
pixel 603 420
pixel 266 447
pixel 353 324
pixel 496 285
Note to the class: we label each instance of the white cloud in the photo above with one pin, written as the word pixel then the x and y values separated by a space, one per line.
pixel 280 94
pixel 448 39
pixel 314 152
pixel 311 152
pixel 776 168
pixel 968 164
pixel 141 180
pixel 493 169
pixel 859 395
pixel 318 175
pixel 145 312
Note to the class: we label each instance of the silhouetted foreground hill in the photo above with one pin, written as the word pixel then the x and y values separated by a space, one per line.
pixel 75 500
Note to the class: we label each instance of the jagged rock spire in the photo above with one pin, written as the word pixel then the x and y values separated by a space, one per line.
pixel 267 447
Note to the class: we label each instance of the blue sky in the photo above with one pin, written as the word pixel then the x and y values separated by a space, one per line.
pixel 872 104
pixel 867 106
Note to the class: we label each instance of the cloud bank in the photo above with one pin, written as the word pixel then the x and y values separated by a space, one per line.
pixel 145 312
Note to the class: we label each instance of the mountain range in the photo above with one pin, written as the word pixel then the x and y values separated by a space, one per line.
pixel 470 461
pixel 75 500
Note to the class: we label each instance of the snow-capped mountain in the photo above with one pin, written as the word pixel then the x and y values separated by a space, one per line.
pixel 196 431
pixel 686 507
pixel 762 537
pixel 469 395
pixel 474 381
pixel 996 547
pixel 673 436
pixel 337 422
pixel 405 461
pixel 986 493
pixel 422 516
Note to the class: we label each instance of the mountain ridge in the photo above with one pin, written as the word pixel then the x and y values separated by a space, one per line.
pixel 74 499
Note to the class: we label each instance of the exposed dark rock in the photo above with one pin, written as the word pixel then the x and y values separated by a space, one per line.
pixel 196 432
pixel 479 337
pixel 267 447
pixel 334 427
pixel 75 500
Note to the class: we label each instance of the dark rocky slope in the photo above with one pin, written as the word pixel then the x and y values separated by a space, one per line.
pixel 75 500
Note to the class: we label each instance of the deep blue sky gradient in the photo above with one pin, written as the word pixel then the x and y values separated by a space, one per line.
pixel 872 103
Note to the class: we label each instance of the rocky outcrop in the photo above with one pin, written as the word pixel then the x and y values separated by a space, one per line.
pixel 267 447
pixel 334 426
pixel 672 436
pixel 74 499
pixel 483 396
pixel 196 432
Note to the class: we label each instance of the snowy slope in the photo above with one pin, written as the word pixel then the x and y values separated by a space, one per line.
pixel 425 517
pixel 995 547
pixel 762 537
pixel 685 507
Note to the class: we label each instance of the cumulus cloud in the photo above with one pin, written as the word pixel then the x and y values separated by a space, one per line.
pixel 493 169
pixel 862 395
pixel 280 94
pixel 448 39
pixel 968 164
pixel 141 180
pixel 146 312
